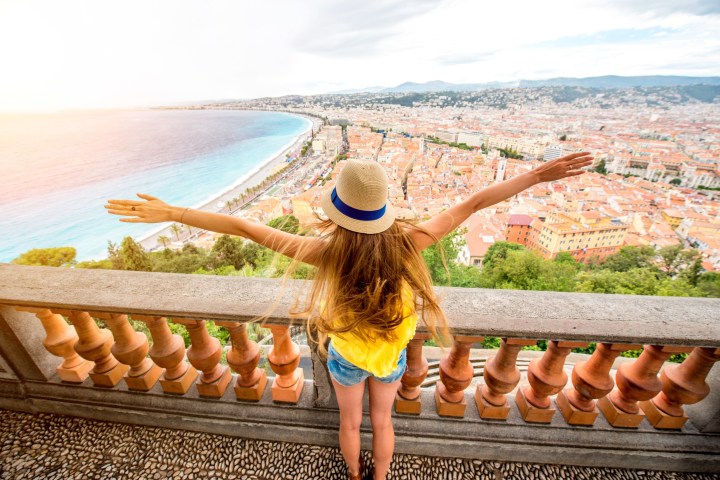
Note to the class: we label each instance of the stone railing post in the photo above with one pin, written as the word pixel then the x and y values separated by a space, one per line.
pixel 131 348
pixel 682 384
pixel 501 376
pixel 59 341
pixel 546 377
pixel 95 344
pixel 243 357
pixel 204 354
pixel 456 374
pixel 591 380
pixel 635 382
pixel 168 351
pixel 284 358
pixel 407 399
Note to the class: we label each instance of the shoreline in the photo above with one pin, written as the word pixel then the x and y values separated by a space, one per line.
pixel 148 240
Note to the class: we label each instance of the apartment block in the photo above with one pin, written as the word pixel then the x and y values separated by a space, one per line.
pixel 584 235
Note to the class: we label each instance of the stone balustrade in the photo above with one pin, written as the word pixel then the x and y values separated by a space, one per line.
pixel 119 369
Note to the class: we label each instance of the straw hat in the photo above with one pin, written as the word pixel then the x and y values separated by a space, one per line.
pixel 359 200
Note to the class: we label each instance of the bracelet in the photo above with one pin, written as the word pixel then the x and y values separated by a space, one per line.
pixel 183 214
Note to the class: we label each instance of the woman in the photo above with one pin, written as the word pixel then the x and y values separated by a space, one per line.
pixel 370 284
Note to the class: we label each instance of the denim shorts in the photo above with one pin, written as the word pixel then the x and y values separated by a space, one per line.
pixel 347 374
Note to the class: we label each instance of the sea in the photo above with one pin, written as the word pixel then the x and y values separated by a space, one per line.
pixel 57 170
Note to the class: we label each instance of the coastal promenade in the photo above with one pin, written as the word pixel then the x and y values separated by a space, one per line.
pixel 150 242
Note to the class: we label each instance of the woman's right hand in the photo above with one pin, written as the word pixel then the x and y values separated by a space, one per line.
pixel 152 210
pixel 567 166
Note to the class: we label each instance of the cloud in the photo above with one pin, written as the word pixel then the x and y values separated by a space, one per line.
pixel 357 28
pixel 625 36
pixel 668 7
pixel 465 58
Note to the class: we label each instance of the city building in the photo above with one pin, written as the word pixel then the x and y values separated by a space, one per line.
pixel 584 235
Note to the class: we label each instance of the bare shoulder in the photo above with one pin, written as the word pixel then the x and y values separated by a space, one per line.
pixel 420 236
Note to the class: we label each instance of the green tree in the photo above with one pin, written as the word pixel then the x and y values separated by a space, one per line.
pixel 187 260
pixel 600 167
pixel 636 281
pixel 674 258
pixel 563 137
pixel 272 264
pixel 252 252
pixel 499 251
pixel 526 270
pixel 176 229
pixel 693 272
pixel 675 181
pixel 444 270
pixel 163 240
pixel 228 251
pixel 709 284
pixel 105 264
pixel 131 256
pixel 566 258
pixel 286 223
pixel 630 257
pixel 227 270
pixel 678 287
pixel 48 257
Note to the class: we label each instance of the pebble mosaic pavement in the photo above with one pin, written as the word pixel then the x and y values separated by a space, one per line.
pixel 45 446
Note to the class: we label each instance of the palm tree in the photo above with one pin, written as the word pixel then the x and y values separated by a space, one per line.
pixel 163 240
pixel 228 204
pixel 176 229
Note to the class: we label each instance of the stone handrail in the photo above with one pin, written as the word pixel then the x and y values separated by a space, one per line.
pixel 117 369
pixel 588 317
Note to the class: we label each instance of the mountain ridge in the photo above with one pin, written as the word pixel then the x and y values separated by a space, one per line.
pixel 604 81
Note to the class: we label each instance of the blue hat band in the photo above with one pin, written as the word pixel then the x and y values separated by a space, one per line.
pixel 354 213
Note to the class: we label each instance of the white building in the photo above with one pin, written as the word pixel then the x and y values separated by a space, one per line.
pixel 473 139
pixel 552 152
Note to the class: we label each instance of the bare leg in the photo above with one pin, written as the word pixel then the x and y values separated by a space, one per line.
pixel 350 404
pixel 382 396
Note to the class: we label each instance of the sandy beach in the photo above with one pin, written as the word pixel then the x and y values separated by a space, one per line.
pixel 149 241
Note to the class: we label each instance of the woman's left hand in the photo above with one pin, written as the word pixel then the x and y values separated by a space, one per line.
pixel 152 210
pixel 562 167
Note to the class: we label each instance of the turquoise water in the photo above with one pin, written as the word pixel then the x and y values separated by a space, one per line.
pixel 59 169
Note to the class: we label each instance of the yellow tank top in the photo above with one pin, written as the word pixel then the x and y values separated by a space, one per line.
pixel 379 356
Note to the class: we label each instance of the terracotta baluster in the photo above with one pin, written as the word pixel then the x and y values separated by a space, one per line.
pixel 682 384
pixel 636 381
pixel 501 376
pixel 591 380
pixel 131 348
pixel 94 344
pixel 407 399
pixel 204 354
pixel 168 352
pixel 59 341
pixel 284 358
pixel 546 377
pixel 243 357
pixel 456 374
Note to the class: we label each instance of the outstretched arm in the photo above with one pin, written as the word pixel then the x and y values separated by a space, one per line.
pixel 450 219
pixel 154 210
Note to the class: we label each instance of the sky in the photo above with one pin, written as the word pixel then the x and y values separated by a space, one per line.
pixel 114 54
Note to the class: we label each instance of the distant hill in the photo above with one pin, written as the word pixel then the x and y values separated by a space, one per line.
pixel 358 90
pixel 607 81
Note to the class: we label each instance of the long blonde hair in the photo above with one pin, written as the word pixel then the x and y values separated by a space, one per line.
pixel 358 286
